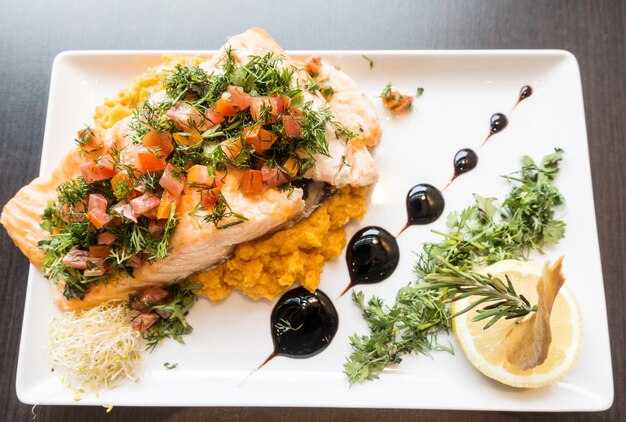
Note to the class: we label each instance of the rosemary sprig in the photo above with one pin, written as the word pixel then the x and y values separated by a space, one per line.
pixel 502 301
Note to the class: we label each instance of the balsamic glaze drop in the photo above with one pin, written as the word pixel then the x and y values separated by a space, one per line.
pixel 524 93
pixel 303 323
pixel 498 123
pixel 465 160
pixel 424 204
pixel 372 255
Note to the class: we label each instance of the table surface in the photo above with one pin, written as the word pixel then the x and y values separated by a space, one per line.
pixel 32 33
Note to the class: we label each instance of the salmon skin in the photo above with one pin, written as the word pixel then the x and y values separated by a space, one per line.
pixel 197 246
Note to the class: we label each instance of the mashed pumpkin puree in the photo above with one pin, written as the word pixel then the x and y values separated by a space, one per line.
pixel 266 267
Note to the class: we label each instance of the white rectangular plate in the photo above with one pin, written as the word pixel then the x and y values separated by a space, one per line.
pixel 462 90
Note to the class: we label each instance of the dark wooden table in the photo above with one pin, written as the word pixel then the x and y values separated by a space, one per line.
pixel 32 33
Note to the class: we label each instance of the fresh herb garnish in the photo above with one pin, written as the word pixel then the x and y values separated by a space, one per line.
pixel 172 322
pixel 168 365
pixel 480 235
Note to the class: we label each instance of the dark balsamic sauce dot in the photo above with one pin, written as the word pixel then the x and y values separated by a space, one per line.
pixel 303 323
pixel 372 255
pixel 498 123
pixel 424 204
pixel 525 92
pixel 465 160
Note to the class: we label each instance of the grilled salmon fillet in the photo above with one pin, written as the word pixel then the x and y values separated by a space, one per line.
pixel 197 245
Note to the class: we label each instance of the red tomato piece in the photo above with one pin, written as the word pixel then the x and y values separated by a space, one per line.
pixel 124 209
pixel 151 158
pixel 96 201
pixel 231 148
pixel 251 181
pixel 313 65
pixel 89 140
pixel 144 203
pixel 291 126
pixel 93 171
pixel 165 206
pixel 162 141
pixel 279 104
pixel 76 259
pixel 209 197
pixel 273 177
pixel 224 108
pixel 135 261
pixel 154 295
pixel 144 321
pixel 237 97
pixel 106 238
pixel 172 181
pixel 212 118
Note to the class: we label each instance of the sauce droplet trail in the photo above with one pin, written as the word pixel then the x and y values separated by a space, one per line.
pixel 465 160
pixel 372 255
pixel 524 93
pixel 497 123
pixel 302 323
pixel 424 204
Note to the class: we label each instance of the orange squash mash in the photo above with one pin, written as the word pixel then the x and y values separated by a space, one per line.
pixel 266 267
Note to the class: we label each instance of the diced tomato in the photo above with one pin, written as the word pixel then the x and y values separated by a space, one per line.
pixel 199 175
pixel 212 118
pixel 124 209
pixel 97 213
pixel 144 321
pixel 154 295
pixel 256 103
pixel 224 108
pixel 187 118
pixel 231 148
pixel 106 238
pixel 291 166
pixel 156 228
pixel 99 218
pixel 291 126
pixel 237 97
pixel 99 251
pixel 151 214
pixel 89 140
pixel 100 169
pixel 121 184
pixel 95 267
pixel 313 65
pixel 172 181
pixel 261 139
pixel 151 159
pixel 251 181
pixel 144 203
pixel 209 197
pixel 97 201
pixel 273 177
pixel 186 139
pixel 162 141
pixel 76 259
pixel 137 304
pixel 279 104
pixel 395 101
pixel 71 215
pixel 165 206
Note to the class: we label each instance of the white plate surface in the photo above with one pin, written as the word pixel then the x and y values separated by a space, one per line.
pixel 462 90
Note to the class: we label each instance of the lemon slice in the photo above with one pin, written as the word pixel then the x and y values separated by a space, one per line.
pixel 486 349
